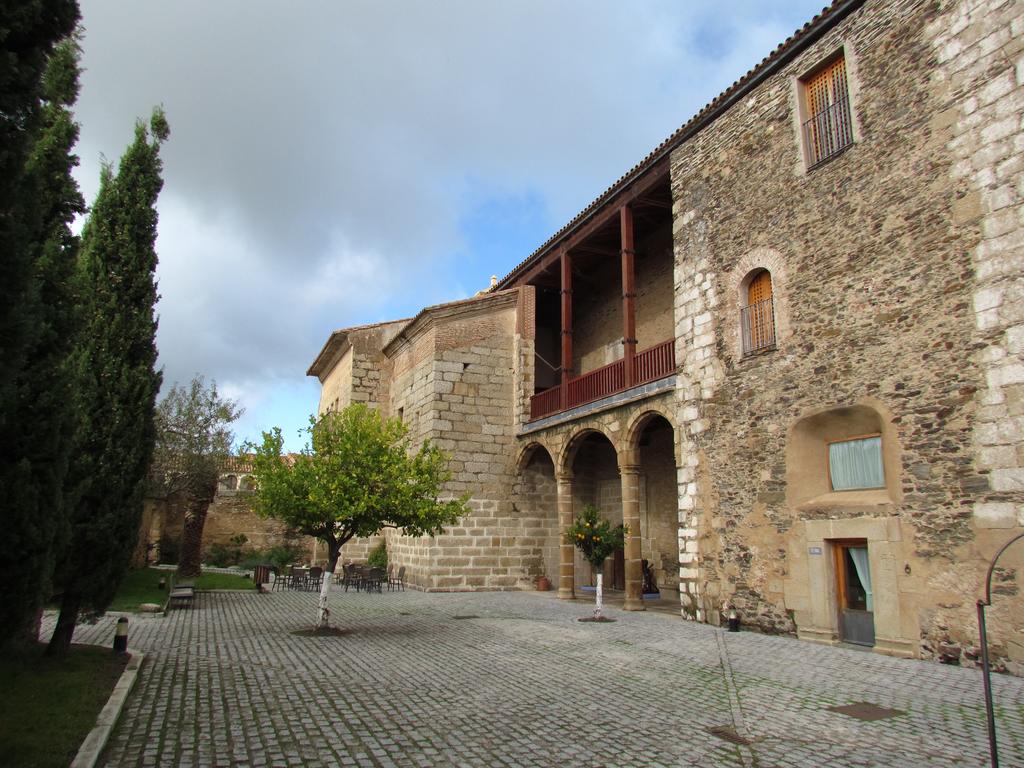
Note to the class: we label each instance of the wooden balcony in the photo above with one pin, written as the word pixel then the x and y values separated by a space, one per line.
pixel 652 363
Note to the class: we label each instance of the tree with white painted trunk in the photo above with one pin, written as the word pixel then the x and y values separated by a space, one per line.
pixel 596 538
pixel 361 475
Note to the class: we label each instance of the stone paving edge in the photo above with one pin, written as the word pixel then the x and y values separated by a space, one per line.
pixel 92 747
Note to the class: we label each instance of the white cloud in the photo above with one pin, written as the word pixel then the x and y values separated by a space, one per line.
pixel 323 155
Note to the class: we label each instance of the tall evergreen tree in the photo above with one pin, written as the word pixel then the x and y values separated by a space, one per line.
pixel 39 199
pixel 116 379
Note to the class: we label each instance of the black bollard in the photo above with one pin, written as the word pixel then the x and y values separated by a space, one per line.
pixel 734 621
pixel 121 636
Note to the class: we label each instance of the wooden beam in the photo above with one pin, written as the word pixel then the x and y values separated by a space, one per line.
pixel 566 326
pixel 628 295
pixel 604 214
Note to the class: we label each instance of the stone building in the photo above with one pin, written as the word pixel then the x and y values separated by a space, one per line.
pixel 785 349
pixel 229 516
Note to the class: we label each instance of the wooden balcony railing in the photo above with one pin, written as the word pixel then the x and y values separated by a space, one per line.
pixel 653 363
pixel 596 384
pixel 545 402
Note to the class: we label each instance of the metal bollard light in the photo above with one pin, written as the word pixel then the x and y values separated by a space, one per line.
pixel 121 636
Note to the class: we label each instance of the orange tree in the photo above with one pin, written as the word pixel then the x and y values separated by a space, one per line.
pixel 596 538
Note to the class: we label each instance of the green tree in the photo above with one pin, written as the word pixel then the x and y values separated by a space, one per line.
pixel 193 440
pixel 597 539
pixel 360 476
pixel 36 327
pixel 116 381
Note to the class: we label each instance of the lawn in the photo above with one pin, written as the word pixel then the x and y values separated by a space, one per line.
pixel 141 586
pixel 49 705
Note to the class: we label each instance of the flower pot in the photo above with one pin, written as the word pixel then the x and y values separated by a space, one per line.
pixel 543 584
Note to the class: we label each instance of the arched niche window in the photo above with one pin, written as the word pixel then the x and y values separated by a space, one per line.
pixel 757 317
pixel 843 456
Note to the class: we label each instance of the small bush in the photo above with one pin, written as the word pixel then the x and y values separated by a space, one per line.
pixel 281 555
pixel 378 557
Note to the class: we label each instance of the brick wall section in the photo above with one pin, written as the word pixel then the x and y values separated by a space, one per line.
pixel 876 302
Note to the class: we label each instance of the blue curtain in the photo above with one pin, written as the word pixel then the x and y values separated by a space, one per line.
pixel 856 464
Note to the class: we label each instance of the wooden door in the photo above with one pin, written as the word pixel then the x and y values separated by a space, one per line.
pixel 856 617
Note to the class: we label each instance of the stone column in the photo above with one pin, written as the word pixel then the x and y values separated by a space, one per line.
pixel 566 551
pixel 630 475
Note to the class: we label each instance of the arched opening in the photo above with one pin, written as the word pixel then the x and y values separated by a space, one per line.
pixel 659 506
pixel 594 464
pixel 757 312
pixel 536 504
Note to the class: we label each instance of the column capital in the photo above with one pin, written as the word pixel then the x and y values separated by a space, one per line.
pixel 629 469
pixel 565 476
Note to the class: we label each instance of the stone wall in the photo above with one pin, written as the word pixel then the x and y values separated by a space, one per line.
pixel 870 256
pixel 980 49
pixel 336 388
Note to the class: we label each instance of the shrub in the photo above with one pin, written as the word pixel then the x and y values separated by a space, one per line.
pixel 378 557
pixel 169 550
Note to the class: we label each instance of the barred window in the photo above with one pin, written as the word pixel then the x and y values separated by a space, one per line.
pixel 829 129
pixel 757 319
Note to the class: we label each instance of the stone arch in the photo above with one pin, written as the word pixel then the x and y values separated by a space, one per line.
pixel 738 280
pixel 535 506
pixel 654 455
pixel 639 423
pixel 527 451
pixel 572 445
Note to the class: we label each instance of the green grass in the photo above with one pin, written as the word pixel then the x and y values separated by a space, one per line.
pixel 223 581
pixel 141 587
pixel 49 705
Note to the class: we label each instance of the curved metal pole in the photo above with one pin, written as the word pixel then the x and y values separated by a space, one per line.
pixel 985 671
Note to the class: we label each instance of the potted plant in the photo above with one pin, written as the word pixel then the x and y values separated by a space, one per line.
pixel 596 538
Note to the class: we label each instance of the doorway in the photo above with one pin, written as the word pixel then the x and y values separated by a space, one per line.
pixel 853 592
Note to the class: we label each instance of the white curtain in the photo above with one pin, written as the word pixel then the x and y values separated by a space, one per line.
pixel 859 555
pixel 856 464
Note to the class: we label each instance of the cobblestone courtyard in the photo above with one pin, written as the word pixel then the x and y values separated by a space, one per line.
pixel 512 679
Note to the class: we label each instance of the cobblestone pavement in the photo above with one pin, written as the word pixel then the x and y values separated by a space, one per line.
pixel 512 679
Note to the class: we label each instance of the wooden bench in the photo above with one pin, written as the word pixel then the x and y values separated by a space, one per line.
pixel 182 592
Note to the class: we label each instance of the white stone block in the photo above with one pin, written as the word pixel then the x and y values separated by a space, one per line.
pixel 988 298
pixel 1007 479
pixel 995 515
pixel 688 573
pixel 1006 374
pixel 997 457
pixel 987 319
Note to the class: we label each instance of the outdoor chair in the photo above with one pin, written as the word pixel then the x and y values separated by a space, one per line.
pixel 315 578
pixel 282 580
pixel 375 579
pixel 350 577
pixel 297 577
pixel 398 580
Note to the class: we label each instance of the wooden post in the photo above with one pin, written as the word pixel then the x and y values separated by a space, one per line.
pixel 628 296
pixel 566 264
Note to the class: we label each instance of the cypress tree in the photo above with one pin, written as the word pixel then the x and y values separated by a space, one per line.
pixel 117 381
pixel 38 201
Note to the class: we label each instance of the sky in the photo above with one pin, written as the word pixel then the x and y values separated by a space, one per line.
pixel 333 162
